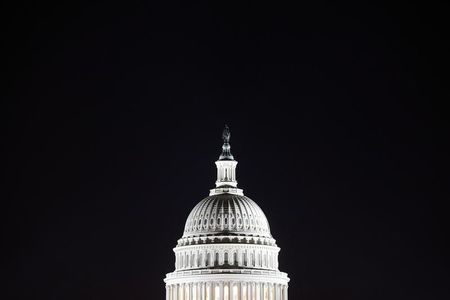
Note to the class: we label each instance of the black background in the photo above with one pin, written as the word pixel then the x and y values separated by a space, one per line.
pixel 114 118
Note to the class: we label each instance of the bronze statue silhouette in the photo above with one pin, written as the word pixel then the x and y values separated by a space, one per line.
pixel 226 134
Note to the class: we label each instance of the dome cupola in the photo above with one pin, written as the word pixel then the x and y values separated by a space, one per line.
pixel 226 169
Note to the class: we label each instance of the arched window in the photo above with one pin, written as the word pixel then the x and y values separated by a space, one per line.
pixel 209 260
pixel 216 260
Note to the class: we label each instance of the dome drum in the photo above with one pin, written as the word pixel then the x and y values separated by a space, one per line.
pixel 226 255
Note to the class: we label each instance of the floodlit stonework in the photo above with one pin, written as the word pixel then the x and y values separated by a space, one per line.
pixel 227 251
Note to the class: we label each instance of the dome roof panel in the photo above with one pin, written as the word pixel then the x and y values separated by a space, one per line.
pixel 227 214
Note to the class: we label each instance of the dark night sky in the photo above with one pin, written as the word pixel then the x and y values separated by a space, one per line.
pixel 114 117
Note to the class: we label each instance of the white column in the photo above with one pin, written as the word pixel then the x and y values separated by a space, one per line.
pixel 221 291
pixel 203 261
pixel 258 291
pixel 203 291
pixel 261 291
pixel 265 292
pixel 209 292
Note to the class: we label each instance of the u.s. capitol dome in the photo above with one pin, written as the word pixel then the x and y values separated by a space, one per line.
pixel 227 251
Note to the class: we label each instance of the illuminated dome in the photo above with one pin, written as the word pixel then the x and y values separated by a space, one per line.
pixel 227 251
pixel 227 214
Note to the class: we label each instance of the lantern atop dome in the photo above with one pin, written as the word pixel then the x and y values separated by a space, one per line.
pixel 226 169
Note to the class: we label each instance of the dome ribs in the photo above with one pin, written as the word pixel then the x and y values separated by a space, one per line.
pixel 218 218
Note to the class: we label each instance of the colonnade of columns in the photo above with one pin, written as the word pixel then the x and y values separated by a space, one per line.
pixel 266 258
pixel 225 290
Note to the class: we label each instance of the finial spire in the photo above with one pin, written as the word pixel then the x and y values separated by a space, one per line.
pixel 226 154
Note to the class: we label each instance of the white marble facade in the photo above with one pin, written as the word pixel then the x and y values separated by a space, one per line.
pixel 227 251
pixel 227 290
